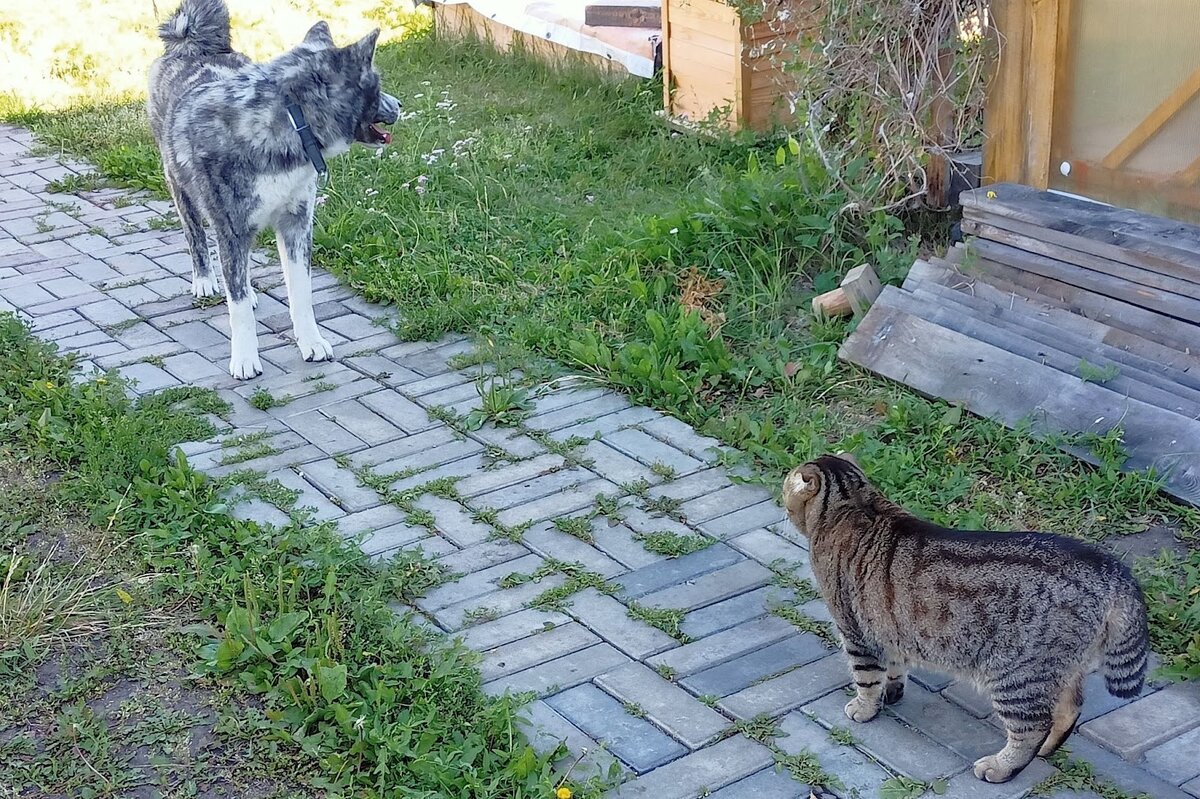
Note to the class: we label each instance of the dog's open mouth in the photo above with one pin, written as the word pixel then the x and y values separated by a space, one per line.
pixel 378 135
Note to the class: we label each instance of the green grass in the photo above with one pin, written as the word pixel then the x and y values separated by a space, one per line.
pixel 317 687
pixel 552 216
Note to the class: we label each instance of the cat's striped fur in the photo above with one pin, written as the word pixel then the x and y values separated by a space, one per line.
pixel 1024 615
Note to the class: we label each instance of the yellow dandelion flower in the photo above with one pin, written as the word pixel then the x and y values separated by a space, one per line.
pixel 563 793
pixel 49 384
pixel 991 195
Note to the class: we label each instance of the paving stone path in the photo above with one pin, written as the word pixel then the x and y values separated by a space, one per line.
pixel 588 480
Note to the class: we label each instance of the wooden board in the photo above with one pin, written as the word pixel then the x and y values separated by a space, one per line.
pixel 1153 241
pixel 1025 330
pixel 1164 302
pixel 1081 244
pixel 1034 244
pixel 1135 321
pixel 624 15
pixel 1178 366
pixel 999 385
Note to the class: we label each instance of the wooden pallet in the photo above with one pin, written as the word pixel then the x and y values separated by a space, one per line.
pixel 1050 320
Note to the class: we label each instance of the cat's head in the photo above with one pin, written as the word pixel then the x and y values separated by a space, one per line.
pixel 821 485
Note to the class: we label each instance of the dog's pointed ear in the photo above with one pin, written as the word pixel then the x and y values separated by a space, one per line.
pixel 319 35
pixel 363 50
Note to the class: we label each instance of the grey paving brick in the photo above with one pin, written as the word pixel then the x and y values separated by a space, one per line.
pixel 635 741
pixel 549 542
pixel 744 520
pixel 294 456
pixel 54 320
pixel 335 481
pixel 1097 700
pixel 197 335
pixel 511 441
pixel 667 705
pixel 616 466
pixel 859 775
pixel 742 672
pixel 455 522
pixel 665 573
pixel 458 469
pixel 968 697
pixel 402 447
pixel 547 731
pixel 948 724
pixel 149 377
pixel 733 611
pixel 310 498
pixel 526 653
pixel 693 485
pixel 399 410
pixel 640 521
pixel 494 600
pixel 143 335
pixel 255 510
pixel 701 772
pixel 724 501
pixel 577 414
pixel 435 361
pixel 1177 760
pixel 788 691
pixel 66 287
pixel 483 556
pixel 1126 776
pixel 383 370
pixel 133 296
pixel 723 646
pixel 506 476
pixel 432 546
pixel 558 504
pixel 362 422
pixel 649 450
pixel 932 680
pixel 428 385
pixel 460 398
pixel 555 675
pixel 318 430
pixel 895 745
pixel 609 619
pixel 619 543
pixel 71 330
pixel 438 455
pixel 391 538
pixel 312 395
pixel 768 782
pixel 603 425
pixel 479 583
pixel 772 550
pixel 682 436
pixel 95 350
pixel 513 627
pixel 27 295
pixel 708 588
pixel 540 480
pixel 1131 730
pixel 364 521
pixel 565 397
pixel 92 270
pixel 1192 787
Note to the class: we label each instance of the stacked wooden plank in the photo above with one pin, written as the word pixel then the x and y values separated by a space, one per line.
pixel 1070 317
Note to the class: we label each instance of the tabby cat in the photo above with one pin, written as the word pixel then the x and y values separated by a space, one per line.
pixel 1023 615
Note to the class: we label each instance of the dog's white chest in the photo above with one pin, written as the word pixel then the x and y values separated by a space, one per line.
pixel 282 192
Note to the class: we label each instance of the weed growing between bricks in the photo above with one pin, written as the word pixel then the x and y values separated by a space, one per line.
pixel 666 619
pixel 805 623
pixel 356 699
pixel 1078 775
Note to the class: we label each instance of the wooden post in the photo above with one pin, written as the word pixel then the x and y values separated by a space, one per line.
pixel 1004 131
pixel 858 290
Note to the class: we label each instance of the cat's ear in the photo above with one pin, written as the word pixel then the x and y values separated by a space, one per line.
pixel 319 35
pixel 801 484
pixel 849 458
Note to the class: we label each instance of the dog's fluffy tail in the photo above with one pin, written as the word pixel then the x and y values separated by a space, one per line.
pixel 198 27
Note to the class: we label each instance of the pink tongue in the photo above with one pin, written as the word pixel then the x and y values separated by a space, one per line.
pixel 383 134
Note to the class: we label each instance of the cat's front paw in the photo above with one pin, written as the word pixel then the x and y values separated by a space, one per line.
pixel 860 710
pixel 989 769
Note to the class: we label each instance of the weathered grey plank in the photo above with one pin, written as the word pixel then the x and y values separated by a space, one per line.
pixel 996 384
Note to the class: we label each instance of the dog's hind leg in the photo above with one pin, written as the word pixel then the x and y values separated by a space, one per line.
pixel 204 280
pixel 293 232
pixel 234 249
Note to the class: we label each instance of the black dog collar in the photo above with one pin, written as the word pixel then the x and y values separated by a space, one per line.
pixel 312 147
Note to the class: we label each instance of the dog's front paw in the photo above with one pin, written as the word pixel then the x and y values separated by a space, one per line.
pixel 989 769
pixel 205 286
pixel 252 295
pixel 859 710
pixel 314 348
pixel 245 367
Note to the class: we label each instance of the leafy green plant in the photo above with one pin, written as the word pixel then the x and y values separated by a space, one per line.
pixel 666 619
pixel 673 545
pixel 503 404
pixel 1171 583
pixel 1090 373
pixel 264 400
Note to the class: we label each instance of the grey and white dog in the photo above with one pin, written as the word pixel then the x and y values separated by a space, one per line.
pixel 243 145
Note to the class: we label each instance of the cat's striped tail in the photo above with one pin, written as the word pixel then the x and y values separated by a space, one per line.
pixel 1126 644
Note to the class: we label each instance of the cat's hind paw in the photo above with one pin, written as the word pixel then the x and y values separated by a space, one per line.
pixel 860 710
pixel 990 769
